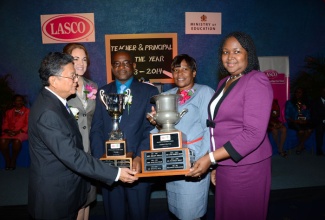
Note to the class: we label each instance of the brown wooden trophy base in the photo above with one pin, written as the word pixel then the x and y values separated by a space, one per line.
pixel 166 156
pixel 122 162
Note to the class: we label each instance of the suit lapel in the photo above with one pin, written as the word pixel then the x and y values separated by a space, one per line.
pixel 223 96
pixel 60 108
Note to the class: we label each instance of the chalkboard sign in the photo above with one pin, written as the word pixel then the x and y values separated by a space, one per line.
pixel 153 54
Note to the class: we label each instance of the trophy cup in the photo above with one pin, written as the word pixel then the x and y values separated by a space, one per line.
pixel 166 156
pixel 115 146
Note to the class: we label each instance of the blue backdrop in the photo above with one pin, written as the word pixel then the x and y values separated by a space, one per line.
pixel 279 28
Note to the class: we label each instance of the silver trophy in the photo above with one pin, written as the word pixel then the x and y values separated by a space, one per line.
pixel 116 144
pixel 115 104
pixel 168 154
pixel 167 115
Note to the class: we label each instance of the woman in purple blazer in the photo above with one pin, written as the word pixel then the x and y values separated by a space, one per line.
pixel 239 113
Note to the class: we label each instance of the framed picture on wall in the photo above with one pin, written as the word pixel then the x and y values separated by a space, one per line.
pixel 153 54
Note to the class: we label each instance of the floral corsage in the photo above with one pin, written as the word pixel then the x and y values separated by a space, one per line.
pixel 185 95
pixel 90 91
pixel 75 112
pixel 128 98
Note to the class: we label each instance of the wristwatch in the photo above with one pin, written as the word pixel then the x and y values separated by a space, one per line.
pixel 213 161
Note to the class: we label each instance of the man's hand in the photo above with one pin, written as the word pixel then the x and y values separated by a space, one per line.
pixel 127 175
pixel 136 164
pixel 200 166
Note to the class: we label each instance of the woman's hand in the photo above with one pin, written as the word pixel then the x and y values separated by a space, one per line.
pixel 213 177
pixel 200 166
pixel 150 116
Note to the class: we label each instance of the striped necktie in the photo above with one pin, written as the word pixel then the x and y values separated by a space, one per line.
pixel 67 107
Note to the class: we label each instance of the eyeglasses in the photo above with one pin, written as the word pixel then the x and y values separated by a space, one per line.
pixel 75 76
pixel 125 63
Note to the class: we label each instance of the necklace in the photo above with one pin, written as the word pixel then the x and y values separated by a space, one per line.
pixel 236 76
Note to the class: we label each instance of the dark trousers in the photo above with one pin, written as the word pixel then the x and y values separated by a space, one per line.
pixel 319 134
pixel 127 201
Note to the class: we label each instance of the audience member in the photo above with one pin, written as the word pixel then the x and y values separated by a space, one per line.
pixel 57 185
pixel 188 197
pixel 297 115
pixel 318 119
pixel 239 113
pixel 14 131
pixel 277 128
pixel 84 101
pixel 125 201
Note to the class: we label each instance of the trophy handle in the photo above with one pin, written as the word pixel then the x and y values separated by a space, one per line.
pixel 127 97
pixel 102 98
pixel 183 112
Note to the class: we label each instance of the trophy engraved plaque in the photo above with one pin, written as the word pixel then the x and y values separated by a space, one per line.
pixel 119 162
pixel 115 146
pixel 165 141
pixel 166 156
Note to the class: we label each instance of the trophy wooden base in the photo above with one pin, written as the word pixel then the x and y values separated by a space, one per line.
pixel 163 173
pixel 122 162
pixel 169 162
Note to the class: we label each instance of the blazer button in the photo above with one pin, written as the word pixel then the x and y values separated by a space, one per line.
pixel 84 127
pixel 84 115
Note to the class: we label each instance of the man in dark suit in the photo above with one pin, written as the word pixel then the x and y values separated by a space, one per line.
pixel 124 201
pixel 318 119
pixel 57 186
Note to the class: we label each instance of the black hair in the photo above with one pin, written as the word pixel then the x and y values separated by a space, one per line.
pixel 247 43
pixel 176 62
pixel 122 51
pixel 52 65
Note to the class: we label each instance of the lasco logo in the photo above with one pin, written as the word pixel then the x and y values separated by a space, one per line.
pixel 271 73
pixel 67 28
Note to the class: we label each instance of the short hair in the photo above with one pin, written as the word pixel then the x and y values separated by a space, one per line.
pixel 123 51
pixel 248 44
pixel 71 46
pixel 176 62
pixel 52 65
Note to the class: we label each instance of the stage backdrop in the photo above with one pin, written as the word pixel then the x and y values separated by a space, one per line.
pixel 277 70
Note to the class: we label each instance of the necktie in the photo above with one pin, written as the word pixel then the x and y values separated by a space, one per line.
pixel 122 88
pixel 67 107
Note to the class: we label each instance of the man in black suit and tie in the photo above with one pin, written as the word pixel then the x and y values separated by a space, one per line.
pixel 123 201
pixel 318 118
pixel 57 186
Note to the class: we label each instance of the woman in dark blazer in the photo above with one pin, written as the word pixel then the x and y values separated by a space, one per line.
pixel 239 113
